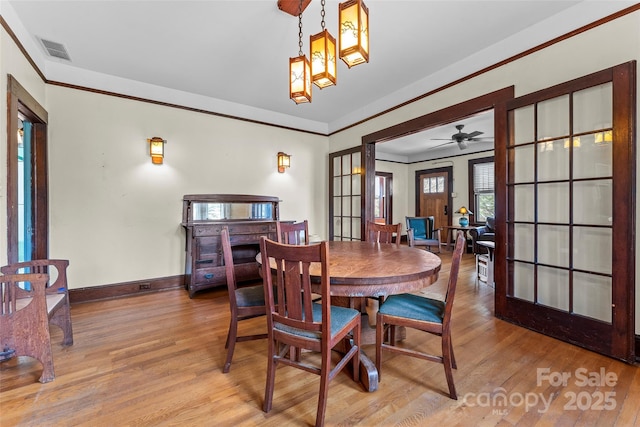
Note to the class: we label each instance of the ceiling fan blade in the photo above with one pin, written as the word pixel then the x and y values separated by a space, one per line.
pixel 440 145
pixel 441 139
pixel 473 134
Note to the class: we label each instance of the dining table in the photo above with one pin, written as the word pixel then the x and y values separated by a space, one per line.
pixel 361 269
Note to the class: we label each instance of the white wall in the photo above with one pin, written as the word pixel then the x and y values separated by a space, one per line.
pixel 599 48
pixel 117 217
pixel 13 62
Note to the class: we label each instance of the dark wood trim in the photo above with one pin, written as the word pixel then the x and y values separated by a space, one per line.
pixel 472 200
pixel 40 192
pixel 624 207
pixel 520 55
pixel 436 118
pixel 181 107
pixel 527 52
pixel 20 101
pixel 638 348
pixel 586 333
pixel 126 289
pixel 440 117
pixel 13 36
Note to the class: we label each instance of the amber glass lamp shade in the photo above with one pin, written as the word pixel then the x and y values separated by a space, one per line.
pixel 353 32
pixel 464 221
pixel 323 59
pixel 300 79
pixel 284 161
pixel 156 150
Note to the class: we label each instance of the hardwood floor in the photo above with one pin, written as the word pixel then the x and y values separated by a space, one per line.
pixel 157 359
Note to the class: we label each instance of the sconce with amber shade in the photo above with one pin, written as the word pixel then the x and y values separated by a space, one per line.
pixel 156 149
pixel 464 221
pixel 284 161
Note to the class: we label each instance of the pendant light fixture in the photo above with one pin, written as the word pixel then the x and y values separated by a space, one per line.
pixel 323 57
pixel 300 70
pixel 353 32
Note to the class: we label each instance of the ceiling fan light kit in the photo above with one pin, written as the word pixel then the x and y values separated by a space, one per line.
pixel 321 70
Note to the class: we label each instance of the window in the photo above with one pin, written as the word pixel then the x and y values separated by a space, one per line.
pixel 482 191
pixel 433 185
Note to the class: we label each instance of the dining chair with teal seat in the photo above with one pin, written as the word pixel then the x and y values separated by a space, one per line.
pixel 425 314
pixel 297 321
pixel 245 302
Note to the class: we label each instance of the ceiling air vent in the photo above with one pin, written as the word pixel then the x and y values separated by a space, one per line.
pixel 55 49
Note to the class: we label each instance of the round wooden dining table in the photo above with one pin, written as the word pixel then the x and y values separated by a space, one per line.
pixel 365 269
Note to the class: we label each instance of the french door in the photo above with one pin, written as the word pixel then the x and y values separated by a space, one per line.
pixel 346 199
pixel 568 180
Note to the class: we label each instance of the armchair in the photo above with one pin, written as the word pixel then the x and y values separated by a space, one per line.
pixel 485 232
pixel 421 232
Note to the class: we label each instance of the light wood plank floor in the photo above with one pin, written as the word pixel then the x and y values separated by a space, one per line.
pixel 156 360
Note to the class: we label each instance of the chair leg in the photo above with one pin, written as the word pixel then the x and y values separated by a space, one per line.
pixel 446 361
pixel 271 377
pixel 62 319
pixel 379 342
pixel 231 342
pixel 356 357
pixel 325 369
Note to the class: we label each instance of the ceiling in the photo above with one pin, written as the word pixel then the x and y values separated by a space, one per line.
pixel 232 56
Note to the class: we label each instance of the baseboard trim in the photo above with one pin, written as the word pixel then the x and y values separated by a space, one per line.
pixel 118 290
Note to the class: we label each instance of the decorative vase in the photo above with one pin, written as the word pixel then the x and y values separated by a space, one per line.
pixel 464 221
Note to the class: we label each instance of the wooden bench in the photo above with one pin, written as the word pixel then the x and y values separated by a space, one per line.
pixel 34 294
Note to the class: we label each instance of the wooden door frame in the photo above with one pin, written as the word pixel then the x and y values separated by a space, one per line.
pixel 19 100
pixel 494 100
pixel 388 184
pixel 446 169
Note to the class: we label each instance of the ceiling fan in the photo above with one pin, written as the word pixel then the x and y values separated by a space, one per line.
pixel 461 138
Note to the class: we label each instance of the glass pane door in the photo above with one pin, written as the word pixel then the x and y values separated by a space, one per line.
pixel 561 186
pixel 345 199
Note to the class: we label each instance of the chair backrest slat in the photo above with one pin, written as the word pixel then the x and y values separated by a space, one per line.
pixel 383 233
pixel 293 282
pixel 293 233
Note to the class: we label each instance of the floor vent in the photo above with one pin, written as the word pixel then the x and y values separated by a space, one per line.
pixel 55 49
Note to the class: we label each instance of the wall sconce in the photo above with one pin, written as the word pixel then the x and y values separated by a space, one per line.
pixel 606 136
pixel 576 142
pixel 284 161
pixel 464 221
pixel 156 149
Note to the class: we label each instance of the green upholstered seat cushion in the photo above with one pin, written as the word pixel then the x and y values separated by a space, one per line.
pixel 419 228
pixel 340 316
pixel 414 307
pixel 250 296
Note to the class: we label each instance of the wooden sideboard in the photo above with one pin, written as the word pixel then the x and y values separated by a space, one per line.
pixel 247 218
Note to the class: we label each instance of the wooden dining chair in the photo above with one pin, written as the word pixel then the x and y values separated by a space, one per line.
pixel 245 302
pixel 383 233
pixel 425 314
pixel 298 322
pixel 293 233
